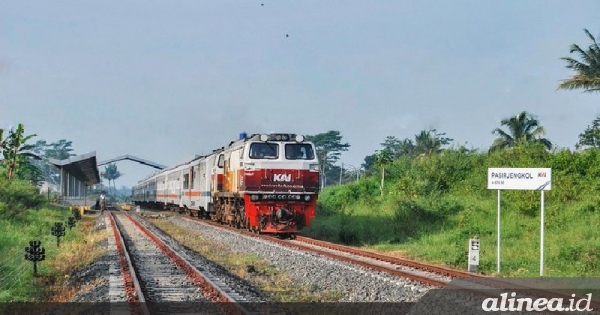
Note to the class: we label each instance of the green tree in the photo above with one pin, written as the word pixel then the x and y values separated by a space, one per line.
pixel 329 148
pixel 590 137
pixel 15 150
pixel 111 173
pixel 382 159
pixel 522 129
pixel 397 147
pixel 429 142
pixel 2 140
pixel 60 150
pixel 587 69
pixel 369 164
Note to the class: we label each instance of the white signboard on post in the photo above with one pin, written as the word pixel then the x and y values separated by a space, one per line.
pixel 521 179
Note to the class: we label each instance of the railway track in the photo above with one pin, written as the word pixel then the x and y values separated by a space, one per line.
pixel 471 283
pixel 472 288
pixel 437 276
pixel 422 275
pixel 155 276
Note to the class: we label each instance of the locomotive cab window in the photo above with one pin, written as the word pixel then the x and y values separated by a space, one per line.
pixel 264 151
pixel 299 152
pixel 221 161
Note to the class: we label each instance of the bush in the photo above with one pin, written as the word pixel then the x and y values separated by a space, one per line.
pixel 17 196
pixel 409 217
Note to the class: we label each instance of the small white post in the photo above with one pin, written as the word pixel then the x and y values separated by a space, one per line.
pixel 498 249
pixel 473 264
pixel 542 237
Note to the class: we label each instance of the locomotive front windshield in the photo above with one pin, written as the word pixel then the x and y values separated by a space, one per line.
pixel 299 152
pixel 264 151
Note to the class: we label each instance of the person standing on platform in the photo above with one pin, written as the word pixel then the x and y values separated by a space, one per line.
pixel 102 202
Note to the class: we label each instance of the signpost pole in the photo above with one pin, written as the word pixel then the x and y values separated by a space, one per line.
pixel 542 237
pixel 521 179
pixel 498 249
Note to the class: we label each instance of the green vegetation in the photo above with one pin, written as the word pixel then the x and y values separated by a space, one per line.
pixel 25 217
pixel 16 154
pixel 329 147
pixel 434 204
pixel 523 128
pixel 112 173
pixel 587 69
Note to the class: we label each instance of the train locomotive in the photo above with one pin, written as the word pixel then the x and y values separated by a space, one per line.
pixel 266 183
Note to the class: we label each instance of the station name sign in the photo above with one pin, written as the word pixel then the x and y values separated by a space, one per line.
pixel 520 178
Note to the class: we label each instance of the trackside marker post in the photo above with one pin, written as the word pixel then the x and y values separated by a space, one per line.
pixel 473 254
pixel 521 179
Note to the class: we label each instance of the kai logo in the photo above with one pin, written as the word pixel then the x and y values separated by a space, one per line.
pixel 282 177
pixel 541 174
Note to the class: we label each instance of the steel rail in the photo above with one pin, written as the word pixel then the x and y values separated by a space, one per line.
pixel 412 276
pixel 133 290
pixel 216 294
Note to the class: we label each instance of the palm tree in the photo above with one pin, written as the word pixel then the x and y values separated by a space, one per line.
pixel 522 129
pixel 111 173
pixel 588 69
pixel 429 142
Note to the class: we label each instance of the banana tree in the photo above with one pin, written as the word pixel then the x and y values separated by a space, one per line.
pixel 15 149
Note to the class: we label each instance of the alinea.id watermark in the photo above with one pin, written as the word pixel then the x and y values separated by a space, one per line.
pixel 504 303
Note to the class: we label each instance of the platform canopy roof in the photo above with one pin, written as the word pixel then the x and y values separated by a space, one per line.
pixel 83 167
pixel 133 158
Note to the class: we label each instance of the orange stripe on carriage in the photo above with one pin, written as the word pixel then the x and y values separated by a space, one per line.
pixel 192 193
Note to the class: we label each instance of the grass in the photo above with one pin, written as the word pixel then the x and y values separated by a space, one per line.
pixel 432 206
pixel 571 242
pixel 79 247
pixel 269 279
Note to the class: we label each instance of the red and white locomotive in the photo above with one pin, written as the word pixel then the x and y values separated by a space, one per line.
pixel 264 183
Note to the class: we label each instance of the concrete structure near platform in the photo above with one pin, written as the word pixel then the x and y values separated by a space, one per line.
pixel 77 174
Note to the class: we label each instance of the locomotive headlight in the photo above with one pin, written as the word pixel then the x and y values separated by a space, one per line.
pixel 313 167
pixel 307 198
pixel 254 197
pixel 297 197
pixel 299 138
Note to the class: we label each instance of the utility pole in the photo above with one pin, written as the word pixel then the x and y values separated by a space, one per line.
pixel 341 172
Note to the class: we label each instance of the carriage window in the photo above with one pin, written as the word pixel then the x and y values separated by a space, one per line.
pixel 264 151
pixel 186 180
pixel 299 152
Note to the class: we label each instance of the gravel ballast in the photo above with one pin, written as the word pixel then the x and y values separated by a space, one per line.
pixel 355 283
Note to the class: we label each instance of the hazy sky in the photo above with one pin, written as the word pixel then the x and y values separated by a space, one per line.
pixel 164 80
